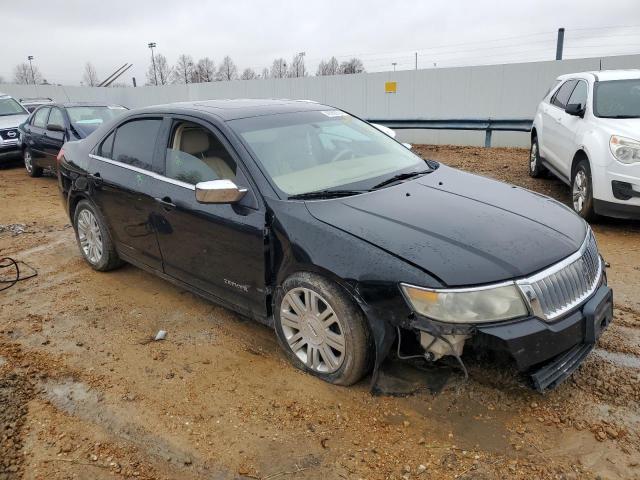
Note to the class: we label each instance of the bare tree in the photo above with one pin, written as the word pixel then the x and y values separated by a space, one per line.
pixel 205 70
pixel 279 68
pixel 163 71
pixel 90 77
pixel 352 66
pixel 328 67
pixel 227 69
pixel 265 73
pixel 297 68
pixel 184 69
pixel 22 74
pixel 248 74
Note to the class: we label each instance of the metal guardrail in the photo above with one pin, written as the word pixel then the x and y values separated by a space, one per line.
pixel 487 124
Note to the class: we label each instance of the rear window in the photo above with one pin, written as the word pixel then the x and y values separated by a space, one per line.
pixel 135 142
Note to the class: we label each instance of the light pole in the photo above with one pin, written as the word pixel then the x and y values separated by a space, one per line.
pixel 33 78
pixel 152 45
pixel 394 65
pixel 300 63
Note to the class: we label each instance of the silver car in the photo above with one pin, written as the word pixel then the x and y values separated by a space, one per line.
pixel 12 114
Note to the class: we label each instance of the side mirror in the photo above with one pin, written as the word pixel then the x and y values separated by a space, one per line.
pixel 54 127
pixel 219 191
pixel 575 109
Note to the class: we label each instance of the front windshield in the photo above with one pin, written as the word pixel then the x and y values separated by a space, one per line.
pixel 8 106
pixel 313 151
pixel 617 99
pixel 89 118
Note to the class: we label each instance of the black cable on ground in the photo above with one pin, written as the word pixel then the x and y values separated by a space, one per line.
pixel 8 262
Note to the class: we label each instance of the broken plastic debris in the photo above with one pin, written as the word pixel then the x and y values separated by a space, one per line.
pixel 161 335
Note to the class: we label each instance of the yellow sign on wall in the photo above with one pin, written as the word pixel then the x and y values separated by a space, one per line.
pixel 390 87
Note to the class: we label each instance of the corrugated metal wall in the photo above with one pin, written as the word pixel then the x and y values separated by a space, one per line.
pixel 495 91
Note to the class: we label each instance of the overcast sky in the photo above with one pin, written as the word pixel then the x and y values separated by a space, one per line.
pixel 64 35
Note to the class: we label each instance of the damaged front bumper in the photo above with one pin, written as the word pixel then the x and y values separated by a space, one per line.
pixel 548 351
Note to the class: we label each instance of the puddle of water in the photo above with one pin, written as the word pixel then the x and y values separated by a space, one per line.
pixel 622 359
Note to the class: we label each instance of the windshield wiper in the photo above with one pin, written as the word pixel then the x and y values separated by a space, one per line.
pixel 325 194
pixel 400 176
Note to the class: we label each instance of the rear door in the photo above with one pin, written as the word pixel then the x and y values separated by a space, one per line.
pixel 219 248
pixel 52 140
pixel 36 135
pixel 553 125
pixel 123 184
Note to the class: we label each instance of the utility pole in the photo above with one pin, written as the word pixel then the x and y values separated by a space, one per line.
pixel 416 60
pixel 33 78
pixel 300 63
pixel 394 65
pixel 560 44
pixel 153 61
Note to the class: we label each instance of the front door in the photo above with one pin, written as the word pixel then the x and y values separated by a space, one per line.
pixel 52 141
pixel 123 184
pixel 217 248
pixel 35 138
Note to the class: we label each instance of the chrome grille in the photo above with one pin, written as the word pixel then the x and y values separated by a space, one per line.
pixel 560 288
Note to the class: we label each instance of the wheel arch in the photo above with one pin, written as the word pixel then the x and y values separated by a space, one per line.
pixel 580 155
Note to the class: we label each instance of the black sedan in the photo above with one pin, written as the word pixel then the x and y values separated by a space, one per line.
pixel 350 246
pixel 50 125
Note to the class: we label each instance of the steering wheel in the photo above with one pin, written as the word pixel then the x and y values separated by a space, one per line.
pixel 343 155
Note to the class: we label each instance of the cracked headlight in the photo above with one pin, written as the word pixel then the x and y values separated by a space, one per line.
pixel 626 150
pixel 467 305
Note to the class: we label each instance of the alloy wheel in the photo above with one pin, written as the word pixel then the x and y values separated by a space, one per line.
pixel 90 236
pixel 533 158
pixel 312 330
pixel 580 190
pixel 28 161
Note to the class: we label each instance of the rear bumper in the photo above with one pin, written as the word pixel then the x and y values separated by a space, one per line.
pixel 551 351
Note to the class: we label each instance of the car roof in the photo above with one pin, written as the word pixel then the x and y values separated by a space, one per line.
pixel 238 108
pixel 604 75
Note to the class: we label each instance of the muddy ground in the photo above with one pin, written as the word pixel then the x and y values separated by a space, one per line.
pixel 85 394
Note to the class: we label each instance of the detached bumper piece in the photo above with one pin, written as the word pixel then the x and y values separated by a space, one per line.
pixel 554 373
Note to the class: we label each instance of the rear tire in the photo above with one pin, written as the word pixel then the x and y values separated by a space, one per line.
pixel 322 330
pixel 32 169
pixel 536 169
pixel 582 191
pixel 93 238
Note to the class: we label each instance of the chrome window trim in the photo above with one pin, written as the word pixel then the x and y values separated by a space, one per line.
pixel 157 176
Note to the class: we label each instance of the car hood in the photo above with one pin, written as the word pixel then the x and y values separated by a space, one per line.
pixel 626 127
pixel 461 228
pixel 9 121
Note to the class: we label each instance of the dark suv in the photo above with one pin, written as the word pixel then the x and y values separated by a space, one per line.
pixel 50 125
pixel 312 221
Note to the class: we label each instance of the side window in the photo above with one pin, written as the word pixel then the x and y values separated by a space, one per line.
pixel 562 95
pixel 196 155
pixel 579 95
pixel 56 117
pixel 135 142
pixel 40 118
pixel 106 147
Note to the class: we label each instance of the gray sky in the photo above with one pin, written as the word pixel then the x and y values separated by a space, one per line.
pixel 64 35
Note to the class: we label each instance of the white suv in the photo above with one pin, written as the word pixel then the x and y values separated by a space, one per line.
pixel 587 133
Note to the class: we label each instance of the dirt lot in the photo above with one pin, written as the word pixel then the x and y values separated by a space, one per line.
pixel 85 394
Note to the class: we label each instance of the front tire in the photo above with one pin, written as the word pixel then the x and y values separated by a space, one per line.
pixel 32 169
pixel 321 329
pixel 93 238
pixel 536 169
pixel 582 191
